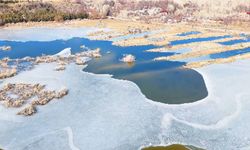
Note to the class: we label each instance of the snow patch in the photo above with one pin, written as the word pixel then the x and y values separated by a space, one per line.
pixel 64 53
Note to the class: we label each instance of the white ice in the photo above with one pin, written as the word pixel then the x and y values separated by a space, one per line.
pixel 105 113
pixel 99 110
pixel 45 33
pixel 64 53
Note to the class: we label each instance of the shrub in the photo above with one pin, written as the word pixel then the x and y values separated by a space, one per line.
pixel 2 22
pixel 145 36
pixel 37 11
pixel 94 14
pixel 242 8
pixel 58 17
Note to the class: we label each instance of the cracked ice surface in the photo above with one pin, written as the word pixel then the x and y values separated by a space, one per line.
pixel 95 110
pixel 109 114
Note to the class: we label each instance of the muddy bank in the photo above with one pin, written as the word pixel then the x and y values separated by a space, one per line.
pixel 172 147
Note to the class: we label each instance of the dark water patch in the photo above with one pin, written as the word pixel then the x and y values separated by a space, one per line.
pixel 230 53
pixel 193 40
pixel 161 81
pixel 189 33
pixel 158 80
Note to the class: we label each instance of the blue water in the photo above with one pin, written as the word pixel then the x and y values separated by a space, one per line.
pixel 37 48
pixel 161 81
pixel 219 55
pixel 245 35
pixel 194 40
pixel 232 42
pixel 189 33
pixel 230 53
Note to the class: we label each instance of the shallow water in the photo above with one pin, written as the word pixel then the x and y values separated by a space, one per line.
pixel 225 54
pixel 160 81
pixel 193 40
pixel 189 33
pixel 230 53
pixel 232 42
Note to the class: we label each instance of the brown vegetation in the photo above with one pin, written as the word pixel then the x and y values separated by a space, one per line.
pixel 7 71
pixel 170 11
pixel 37 11
pixel 28 111
pixel 17 95
pixel 5 48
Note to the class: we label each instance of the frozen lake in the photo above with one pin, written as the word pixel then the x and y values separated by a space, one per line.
pixel 101 112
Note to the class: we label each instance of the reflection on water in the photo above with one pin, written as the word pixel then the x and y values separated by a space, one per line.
pixel 158 80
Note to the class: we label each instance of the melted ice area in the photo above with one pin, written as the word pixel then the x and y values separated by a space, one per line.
pixel 109 114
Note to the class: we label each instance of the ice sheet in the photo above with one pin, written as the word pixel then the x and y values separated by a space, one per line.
pixel 105 113
pixel 96 111
pixel 45 33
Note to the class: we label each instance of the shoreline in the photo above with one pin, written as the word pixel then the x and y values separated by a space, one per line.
pixel 115 22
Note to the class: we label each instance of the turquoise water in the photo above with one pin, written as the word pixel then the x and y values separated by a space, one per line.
pixel 161 81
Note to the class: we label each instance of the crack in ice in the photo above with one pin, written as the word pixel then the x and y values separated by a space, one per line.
pixel 168 118
pixel 71 138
